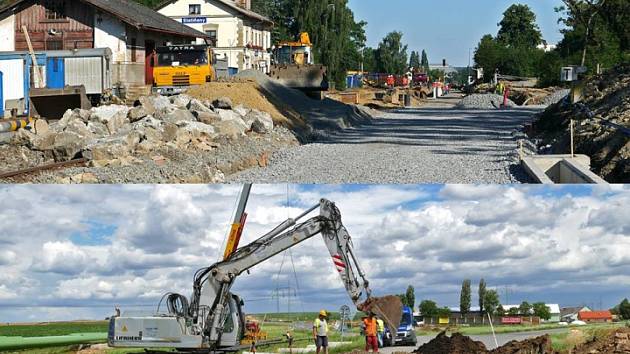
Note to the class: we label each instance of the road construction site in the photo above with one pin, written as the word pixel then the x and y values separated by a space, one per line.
pixel 254 129
pixel 89 337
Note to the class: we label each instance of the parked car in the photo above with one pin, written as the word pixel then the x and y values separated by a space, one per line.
pixel 406 334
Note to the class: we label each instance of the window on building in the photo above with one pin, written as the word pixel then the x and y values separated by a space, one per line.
pixel 212 33
pixel 194 9
pixel 134 46
pixel 55 10
pixel 54 44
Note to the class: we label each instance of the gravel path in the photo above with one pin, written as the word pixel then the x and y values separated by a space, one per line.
pixel 429 145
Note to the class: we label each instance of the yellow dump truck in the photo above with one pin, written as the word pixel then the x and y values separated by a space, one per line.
pixel 177 67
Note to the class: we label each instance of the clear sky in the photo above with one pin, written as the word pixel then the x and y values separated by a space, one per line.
pixel 88 248
pixel 447 28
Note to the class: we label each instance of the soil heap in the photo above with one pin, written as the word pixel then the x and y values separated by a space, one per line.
pixel 606 97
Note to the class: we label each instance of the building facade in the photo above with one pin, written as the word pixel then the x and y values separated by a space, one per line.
pixel 238 35
pixel 130 30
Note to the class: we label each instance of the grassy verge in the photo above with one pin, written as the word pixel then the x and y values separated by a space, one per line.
pixel 53 329
pixel 575 336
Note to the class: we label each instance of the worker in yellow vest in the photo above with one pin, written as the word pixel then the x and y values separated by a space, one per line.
pixel 380 331
pixel 320 332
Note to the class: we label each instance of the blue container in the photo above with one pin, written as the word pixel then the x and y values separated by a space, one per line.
pixel 232 71
pixel 1 96
pixel 55 76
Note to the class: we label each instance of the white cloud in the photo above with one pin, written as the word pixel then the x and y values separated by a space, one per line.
pixel 533 239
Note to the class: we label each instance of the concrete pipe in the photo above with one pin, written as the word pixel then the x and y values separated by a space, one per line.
pixel 14 124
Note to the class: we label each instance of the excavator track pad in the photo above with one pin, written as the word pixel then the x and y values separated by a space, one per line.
pixel 388 308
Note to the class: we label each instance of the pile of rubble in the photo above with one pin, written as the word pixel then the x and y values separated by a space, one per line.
pixel 606 98
pixel 460 344
pixel 483 101
pixel 616 343
pixel 117 135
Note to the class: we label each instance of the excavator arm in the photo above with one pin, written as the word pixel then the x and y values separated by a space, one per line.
pixel 221 276
pixel 207 320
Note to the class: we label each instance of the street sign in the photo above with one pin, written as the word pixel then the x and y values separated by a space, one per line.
pixel 192 20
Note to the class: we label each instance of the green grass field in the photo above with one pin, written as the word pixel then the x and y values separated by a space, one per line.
pixel 53 329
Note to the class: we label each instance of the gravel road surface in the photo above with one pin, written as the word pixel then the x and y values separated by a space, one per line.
pixel 427 145
pixel 486 339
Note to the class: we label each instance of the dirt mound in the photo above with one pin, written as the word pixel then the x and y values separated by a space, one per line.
pixel 606 97
pixel 615 343
pixel 460 344
pixel 389 308
pixel 538 345
pixel 320 116
pixel 246 92
pixel 455 344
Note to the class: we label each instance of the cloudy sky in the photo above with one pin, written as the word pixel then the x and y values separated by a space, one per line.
pixel 75 252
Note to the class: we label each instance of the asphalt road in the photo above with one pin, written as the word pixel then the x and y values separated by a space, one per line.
pixel 426 145
pixel 487 339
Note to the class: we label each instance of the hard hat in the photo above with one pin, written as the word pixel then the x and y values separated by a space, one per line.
pixel 322 313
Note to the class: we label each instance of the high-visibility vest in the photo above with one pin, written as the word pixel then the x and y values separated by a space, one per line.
pixel 317 325
pixel 381 325
pixel 370 326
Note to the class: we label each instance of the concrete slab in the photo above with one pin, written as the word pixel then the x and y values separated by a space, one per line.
pixel 560 169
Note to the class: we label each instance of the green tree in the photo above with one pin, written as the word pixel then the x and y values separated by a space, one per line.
pixel 411 296
pixel 491 301
pixel 513 311
pixel 624 309
pixel 500 311
pixel 525 308
pixel 542 310
pixel 518 27
pixel 391 56
pixel 428 308
pixel 444 312
pixel 424 62
pixel 276 10
pixel 465 297
pixel 414 60
pixel 489 55
pixel 481 292
pixel 369 60
pixel 403 299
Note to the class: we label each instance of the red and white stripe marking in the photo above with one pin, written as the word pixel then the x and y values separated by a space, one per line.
pixel 339 264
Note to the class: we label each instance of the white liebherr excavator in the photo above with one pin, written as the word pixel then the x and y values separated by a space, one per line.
pixel 213 319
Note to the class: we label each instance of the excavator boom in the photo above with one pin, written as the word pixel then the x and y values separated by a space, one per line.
pixel 203 321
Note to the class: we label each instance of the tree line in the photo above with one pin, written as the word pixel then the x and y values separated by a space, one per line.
pixel 596 32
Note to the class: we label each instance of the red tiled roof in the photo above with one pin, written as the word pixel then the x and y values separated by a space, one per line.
pixel 595 315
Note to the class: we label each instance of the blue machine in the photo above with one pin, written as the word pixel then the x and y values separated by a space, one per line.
pixel 1 96
pixel 55 75
pixel 406 334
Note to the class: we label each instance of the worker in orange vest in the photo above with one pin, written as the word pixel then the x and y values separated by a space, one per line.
pixel 371 329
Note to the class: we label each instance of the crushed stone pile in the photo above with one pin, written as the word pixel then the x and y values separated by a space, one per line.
pixel 605 97
pixel 555 97
pixel 157 130
pixel 318 116
pixel 483 101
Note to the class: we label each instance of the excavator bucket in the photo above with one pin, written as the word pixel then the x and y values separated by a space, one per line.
pixel 388 308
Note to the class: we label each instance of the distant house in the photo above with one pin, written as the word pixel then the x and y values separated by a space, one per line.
pixel 129 29
pixel 554 309
pixel 236 32
pixel 595 316
pixel 570 314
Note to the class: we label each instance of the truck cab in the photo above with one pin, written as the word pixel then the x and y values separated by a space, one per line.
pixel 177 67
